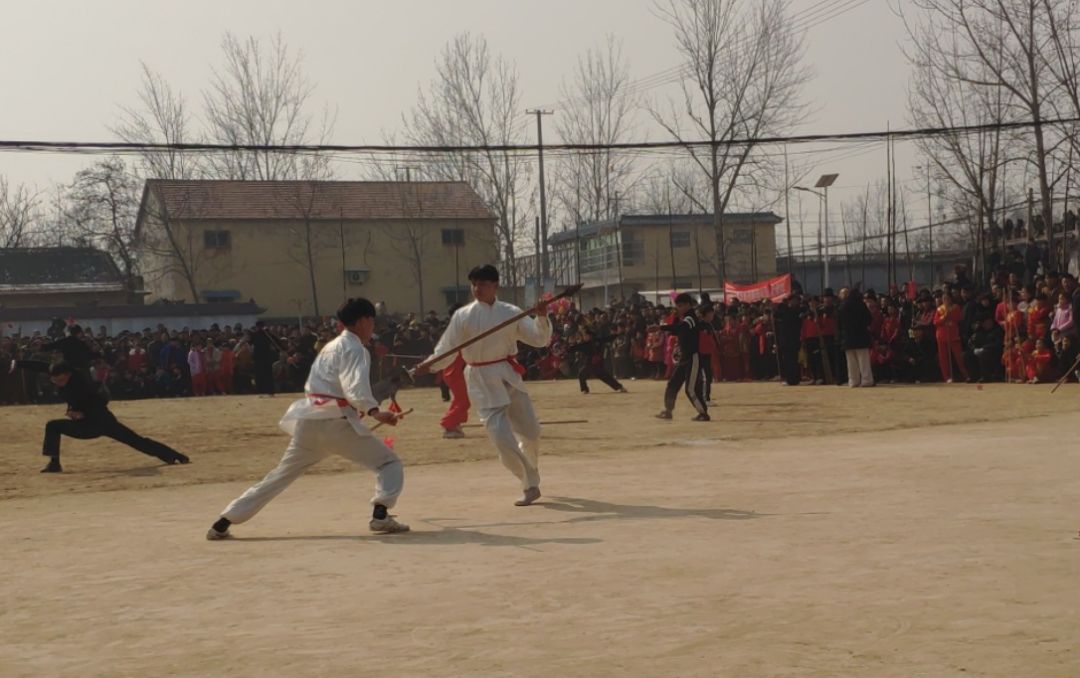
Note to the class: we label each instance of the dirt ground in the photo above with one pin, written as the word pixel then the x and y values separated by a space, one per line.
pixel 807 531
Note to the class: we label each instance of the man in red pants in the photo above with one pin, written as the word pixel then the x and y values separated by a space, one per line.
pixel 454 378
pixel 458 414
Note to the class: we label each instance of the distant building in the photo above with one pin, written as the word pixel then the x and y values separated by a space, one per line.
pixel 640 252
pixel 409 244
pixel 41 277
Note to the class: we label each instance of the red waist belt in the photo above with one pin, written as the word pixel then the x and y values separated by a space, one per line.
pixel 518 367
pixel 322 399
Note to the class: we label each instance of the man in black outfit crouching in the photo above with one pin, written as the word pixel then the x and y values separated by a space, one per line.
pixel 88 417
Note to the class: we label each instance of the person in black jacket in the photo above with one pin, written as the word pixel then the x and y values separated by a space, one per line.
pixel 853 322
pixel 592 351
pixel 788 327
pixel 265 351
pixel 73 347
pixel 688 362
pixel 88 417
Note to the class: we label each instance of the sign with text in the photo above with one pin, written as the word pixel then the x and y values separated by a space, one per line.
pixel 775 289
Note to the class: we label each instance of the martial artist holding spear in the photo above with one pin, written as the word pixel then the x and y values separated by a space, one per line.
pixel 486 333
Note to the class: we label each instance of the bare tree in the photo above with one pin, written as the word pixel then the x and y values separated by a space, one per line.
pixel 742 80
pixel 259 97
pixel 167 239
pixel 162 117
pixel 308 208
pixel 588 185
pixel 102 206
pixel 18 213
pixel 410 238
pixel 474 100
pixel 998 45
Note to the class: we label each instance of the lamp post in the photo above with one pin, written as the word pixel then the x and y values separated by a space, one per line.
pixel 823 183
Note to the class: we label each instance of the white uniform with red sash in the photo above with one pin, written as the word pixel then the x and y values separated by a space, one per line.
pixel 494 379
pixel 328 421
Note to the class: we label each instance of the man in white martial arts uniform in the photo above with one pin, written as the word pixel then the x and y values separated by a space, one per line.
pixel 326 421
pixel 493 376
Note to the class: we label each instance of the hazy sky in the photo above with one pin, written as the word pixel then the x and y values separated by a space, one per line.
pixel 68 65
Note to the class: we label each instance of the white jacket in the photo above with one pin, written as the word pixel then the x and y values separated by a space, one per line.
pixel 339 385
pixel 488 384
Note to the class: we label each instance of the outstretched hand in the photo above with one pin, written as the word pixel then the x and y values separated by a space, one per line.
pixel 390 418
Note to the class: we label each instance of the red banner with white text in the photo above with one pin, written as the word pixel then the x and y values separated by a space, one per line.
pixel 775 289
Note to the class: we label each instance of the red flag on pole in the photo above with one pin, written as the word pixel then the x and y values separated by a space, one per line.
pixel 394 407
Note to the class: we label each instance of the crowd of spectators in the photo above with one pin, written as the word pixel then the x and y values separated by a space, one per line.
pixel 1013 330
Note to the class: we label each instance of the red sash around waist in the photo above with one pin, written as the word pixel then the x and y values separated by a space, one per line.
pixel 518 367
pixel 322 399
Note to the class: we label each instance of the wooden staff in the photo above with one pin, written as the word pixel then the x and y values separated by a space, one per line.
pixel 542 423
pixel 569 291
pixel 1065 377
pixel 399 416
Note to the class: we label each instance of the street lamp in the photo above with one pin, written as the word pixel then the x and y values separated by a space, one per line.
pixel 824 182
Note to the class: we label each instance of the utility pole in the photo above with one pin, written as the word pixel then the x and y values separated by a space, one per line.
pixel 538 112
pixel 787 213
pixel 930 221
pixel 341 234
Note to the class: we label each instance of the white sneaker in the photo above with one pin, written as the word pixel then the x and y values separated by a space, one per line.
pixel 530 495
pixel 453 434
pixel 387 525
pixel 214 535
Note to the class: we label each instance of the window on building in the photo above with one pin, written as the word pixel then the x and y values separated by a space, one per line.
pixel 453 236
pixel 680 238
pixel 217 240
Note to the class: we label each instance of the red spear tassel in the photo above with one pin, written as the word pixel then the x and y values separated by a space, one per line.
pixel 389 442
pixel 394 407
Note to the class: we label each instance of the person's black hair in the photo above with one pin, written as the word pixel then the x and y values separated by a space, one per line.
pixel 485 273
pixel 355 309
pixel 75 329
pixel 60 368
pixel 684 298
pixel 707 307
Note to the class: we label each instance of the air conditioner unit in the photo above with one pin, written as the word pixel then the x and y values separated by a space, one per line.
pixel 357 276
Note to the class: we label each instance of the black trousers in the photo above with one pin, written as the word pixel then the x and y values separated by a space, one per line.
pixel 687 374
pixel 789 365
pixel 264 378
pixel 597 372
pixel 102 428
pixel 706 375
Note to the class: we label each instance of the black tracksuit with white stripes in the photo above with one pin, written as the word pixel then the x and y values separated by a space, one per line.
pixel 687 372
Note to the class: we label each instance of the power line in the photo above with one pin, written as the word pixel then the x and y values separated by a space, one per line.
pixel 132 147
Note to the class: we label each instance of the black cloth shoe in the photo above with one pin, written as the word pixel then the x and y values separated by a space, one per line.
pixel 53 466
pixel 664 414
pixel 176 459
pixel 703 417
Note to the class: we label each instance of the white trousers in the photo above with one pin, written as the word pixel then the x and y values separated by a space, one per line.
pixel 516 434
pixel 859 370
pixel 312 441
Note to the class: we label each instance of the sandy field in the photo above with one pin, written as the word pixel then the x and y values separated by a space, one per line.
pixel 807 531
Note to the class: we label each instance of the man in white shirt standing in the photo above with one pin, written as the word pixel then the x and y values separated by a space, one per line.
pixel 327 421
pixel 493 376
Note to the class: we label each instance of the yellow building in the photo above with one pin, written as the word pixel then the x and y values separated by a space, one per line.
pixel 299 248
pixel 663 252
